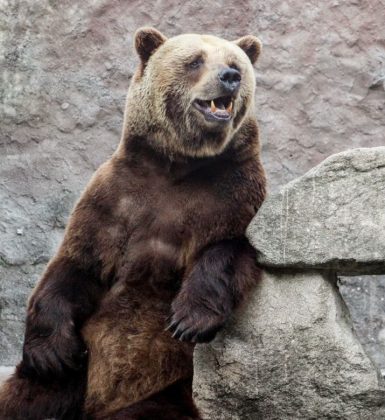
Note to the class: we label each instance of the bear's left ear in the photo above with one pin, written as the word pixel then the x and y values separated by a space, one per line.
pixel 251 45
pixel 147 40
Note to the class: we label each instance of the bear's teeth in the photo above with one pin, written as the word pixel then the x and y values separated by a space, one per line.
pixel 230 107
pixel 213 107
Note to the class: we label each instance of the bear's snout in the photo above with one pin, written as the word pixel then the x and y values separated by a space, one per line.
pixel 230 80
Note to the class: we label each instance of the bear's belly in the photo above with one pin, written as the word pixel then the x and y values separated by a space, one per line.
pixel 134 357
pixel 131 356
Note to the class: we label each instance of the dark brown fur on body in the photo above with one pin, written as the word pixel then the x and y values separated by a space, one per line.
pixel 173 403
pixel 157 235
pixel 26 398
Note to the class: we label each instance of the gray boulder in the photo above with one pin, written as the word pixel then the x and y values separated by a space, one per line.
pixel 289 354
pixel 333 217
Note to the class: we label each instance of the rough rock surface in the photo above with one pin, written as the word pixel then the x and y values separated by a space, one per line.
pixel 65 67
pixel 366 296
pixel 5 373
pixel 291 354
pixel 332 217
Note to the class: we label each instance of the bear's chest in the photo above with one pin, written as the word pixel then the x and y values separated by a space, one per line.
pixel 156 228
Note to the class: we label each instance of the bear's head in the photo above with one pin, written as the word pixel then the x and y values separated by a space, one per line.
pixel 190 93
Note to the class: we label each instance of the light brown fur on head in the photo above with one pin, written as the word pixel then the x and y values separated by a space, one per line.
pixel 160 99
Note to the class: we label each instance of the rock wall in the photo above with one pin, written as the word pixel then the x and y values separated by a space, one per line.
pixel 65 67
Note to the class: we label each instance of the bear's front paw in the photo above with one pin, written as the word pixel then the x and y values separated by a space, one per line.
pixel 196 322
pixel 52 353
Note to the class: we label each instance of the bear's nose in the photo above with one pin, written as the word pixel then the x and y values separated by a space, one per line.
pixel 230 79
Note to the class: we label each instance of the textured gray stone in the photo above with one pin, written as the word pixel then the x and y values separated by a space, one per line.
pixel 5 373
pixel 290 354
pixel 365 297
pixel 332 217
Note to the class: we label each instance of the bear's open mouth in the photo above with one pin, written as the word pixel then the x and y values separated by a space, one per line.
pixel 217 109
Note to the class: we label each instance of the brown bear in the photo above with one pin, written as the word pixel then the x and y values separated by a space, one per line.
pixel 154 257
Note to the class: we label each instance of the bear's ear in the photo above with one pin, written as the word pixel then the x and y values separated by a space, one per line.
pixel 147 40
pixel 251 45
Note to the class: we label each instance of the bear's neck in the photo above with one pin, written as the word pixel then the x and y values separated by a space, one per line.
pixel 136 151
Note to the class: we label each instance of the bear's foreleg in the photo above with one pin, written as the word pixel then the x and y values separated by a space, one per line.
pixel 64 298
pixel 24 398
pixel 216 283
pixel 49 381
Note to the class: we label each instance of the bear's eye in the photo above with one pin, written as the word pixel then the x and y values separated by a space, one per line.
pixel 195 63
pixel 235 67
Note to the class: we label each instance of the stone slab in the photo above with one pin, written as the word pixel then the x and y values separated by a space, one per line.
pixel 289 354
pixel 333 217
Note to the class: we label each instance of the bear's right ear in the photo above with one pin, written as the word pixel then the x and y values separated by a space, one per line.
pixel 147 40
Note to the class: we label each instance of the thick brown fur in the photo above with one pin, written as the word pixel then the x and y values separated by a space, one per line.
pixel 172 403
pixel 156 240
pixel 30 398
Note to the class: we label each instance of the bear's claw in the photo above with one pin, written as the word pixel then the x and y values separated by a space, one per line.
pixel 195 328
